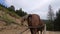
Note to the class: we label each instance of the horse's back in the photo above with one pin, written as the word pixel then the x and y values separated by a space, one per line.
pixel 35 20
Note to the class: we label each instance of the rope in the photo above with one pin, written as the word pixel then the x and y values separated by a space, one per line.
pixel 32 26
pixel 24 31
pixel 29 27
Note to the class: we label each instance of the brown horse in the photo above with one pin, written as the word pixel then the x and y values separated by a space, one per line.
pixel 35 24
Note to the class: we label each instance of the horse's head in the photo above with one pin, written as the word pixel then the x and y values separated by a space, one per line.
pixel 23 19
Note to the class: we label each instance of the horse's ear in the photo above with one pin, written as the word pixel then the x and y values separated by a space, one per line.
pixel 29 15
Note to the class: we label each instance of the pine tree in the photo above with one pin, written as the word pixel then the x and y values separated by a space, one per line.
pixel 20 12
pixel 11 8
pixel 57 21
pixel 50 14
pixel 50 18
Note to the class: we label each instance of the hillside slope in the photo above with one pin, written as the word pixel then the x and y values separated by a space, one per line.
pixel 7 18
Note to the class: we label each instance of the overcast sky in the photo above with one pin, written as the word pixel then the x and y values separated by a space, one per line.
pixel 39 7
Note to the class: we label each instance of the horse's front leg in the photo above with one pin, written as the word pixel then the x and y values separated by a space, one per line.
pixel 41 31
pixel 37 32
pixel 34 31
